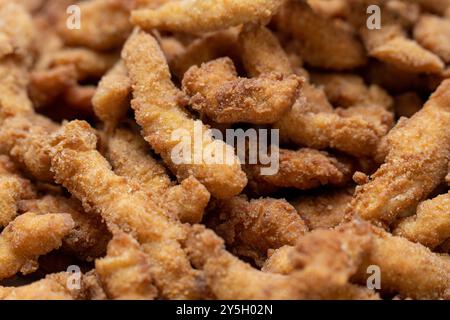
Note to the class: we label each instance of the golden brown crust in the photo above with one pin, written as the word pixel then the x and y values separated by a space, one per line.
pixel 433 32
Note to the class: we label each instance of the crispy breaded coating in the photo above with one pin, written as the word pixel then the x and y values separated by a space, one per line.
pixel 125 272
pixel 157 104
pixel 430 225
pixel 29 236
pixel 408 268
pixel 322 43
pixel 407 104
pixel 323 262
pixel 52 287
pixel 433 32
pixel 416 162
pixel 346 90
pixel 304 169
pixel 194 16
pixel 252 227
pixel 390 45
pixel 89 236
pixel 88 176
pixel 13 188
pixel 436 6
pixel 323 210
pixel 112 97
pixel 217 91
pixel 104 25
pixel 129 156
pixel 261 52
pixel 208 47
pixel 329 8
pixel 279 260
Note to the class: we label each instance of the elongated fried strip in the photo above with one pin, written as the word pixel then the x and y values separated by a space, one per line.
pixel 416 162
pixel 53 287
pixel 325 210
pixel 326 260
pixel 304 169
pixel 130 157
pixel 104 25
pixel 433 32
pixel 29 236
pixel 89 237
pixel 218 92
pixel 158 111
pixel 390 45
pixel 261 52
pixel 87 175
pixel 431 224
pixel 323 44
pixel 111 100
pixel 251 227
pixel 24 139
pixel 125 272
pixel 13 188
pixel 194 16
pixel 211 46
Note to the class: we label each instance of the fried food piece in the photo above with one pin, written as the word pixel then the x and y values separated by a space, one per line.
pixel 104 25
pixel 323 262
pixel 29 236
pixel 252 227
pixel 130 157
pixel 77 166
pixel 304 169
pixel 324 210
pixel 347 90
pixel 322 43
pixel 416 162
pixel 416 272
pixel 89 236
pixel 124 272
pixel 329 8
pixel 31 5
pixel 431 224
pixel 53 287
pixel 390 45
pixel 13 188
pixel 208 47
pixel 24 138
pixel 261 52
pixel 112 97
pixel 217 91
pixel 158 111
pixel 433 32
pixel 80 98
pixel 88 63
pixel 436 6
pixel 279 260
pixel 407 104
pixel 195 16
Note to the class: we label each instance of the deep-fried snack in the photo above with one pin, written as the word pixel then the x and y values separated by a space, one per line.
pixel 157 104
pixel 129 156
pixel 324 210
pixel 89 237
pixel 415 163
pixel 330 8
pixel 323 44
pixel 13 188
pixel 87 175
pixel 29 236
pixel 252 227
pixel 104 25
pixel 304 169
pixel 430 225
pixel 217 91
pixel 407 104
pixel 194 16
pixel 112 98
pixel 53 287
pixel 325 259
pixel 433 32
pixel 125 272
pixel 211 46
pixel 390 45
